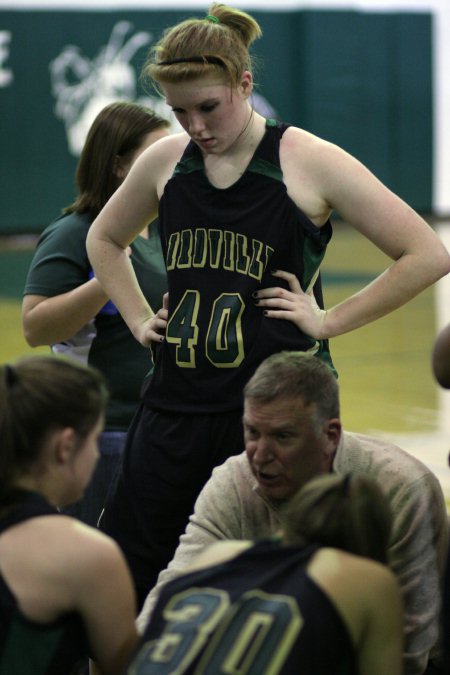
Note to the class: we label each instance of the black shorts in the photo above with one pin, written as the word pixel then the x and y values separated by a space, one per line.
pixel 167 459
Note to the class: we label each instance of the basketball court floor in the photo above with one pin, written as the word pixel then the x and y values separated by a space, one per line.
pixel 386 383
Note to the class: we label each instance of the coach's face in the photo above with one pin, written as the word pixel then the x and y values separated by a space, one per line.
pixel 286 446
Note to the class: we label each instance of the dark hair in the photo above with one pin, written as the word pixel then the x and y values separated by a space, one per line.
pixel 117 131
pixel 346 512
pixel 40 394
pixel 204 46
pixel 296 375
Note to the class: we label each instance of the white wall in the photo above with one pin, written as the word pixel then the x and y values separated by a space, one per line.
pixel 441 42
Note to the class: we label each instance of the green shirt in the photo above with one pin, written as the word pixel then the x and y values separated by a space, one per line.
pixel 59 265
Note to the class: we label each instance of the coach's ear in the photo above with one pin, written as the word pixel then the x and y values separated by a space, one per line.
pixel 332 432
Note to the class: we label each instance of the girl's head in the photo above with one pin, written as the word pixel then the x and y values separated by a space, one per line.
pixel 41 395
pixel 119 133
pixel 216 45
pixel 346 512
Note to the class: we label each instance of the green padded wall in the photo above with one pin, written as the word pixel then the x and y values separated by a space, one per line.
pixel 360 79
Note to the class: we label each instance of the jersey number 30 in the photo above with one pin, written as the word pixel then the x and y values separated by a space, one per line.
pixel 252 636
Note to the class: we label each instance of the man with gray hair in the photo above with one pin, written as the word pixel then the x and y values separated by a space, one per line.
pixel 292 433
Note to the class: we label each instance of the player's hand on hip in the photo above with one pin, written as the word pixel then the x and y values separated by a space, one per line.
pixel 292 305
pixel 154 329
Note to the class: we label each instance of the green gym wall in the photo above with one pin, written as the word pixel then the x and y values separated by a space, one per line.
pixel 363 80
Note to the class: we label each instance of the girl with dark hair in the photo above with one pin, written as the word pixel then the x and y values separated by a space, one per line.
pixel 65 306
pixel 65 590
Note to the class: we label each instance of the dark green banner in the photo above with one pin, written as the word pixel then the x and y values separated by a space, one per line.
pixel 362 80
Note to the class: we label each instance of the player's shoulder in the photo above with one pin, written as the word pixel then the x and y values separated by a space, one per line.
pixel 354 570
pixel 304 152
pixel 61 548
pixel 169 148
pixel 219 552
pixel 296 138
pixel 158 161
pixel 77 546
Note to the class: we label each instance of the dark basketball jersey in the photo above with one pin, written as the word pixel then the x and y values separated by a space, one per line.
pixel 256 614
pixel 220 246
pixel 28 647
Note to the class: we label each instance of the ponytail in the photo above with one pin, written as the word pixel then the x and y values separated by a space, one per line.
pixel 347 512
pixel 217 44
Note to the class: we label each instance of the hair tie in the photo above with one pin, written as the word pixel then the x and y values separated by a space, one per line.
pixel 212 18
pixel 193 59
pixel 10 375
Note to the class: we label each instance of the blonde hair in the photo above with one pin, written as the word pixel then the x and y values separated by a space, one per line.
pixel 216 44
pixel 346 512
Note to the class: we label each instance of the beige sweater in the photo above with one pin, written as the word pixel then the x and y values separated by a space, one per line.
pixel 231 507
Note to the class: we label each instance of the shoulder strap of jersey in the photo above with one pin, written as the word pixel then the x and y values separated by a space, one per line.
pixel 23 506
pixel 266 159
